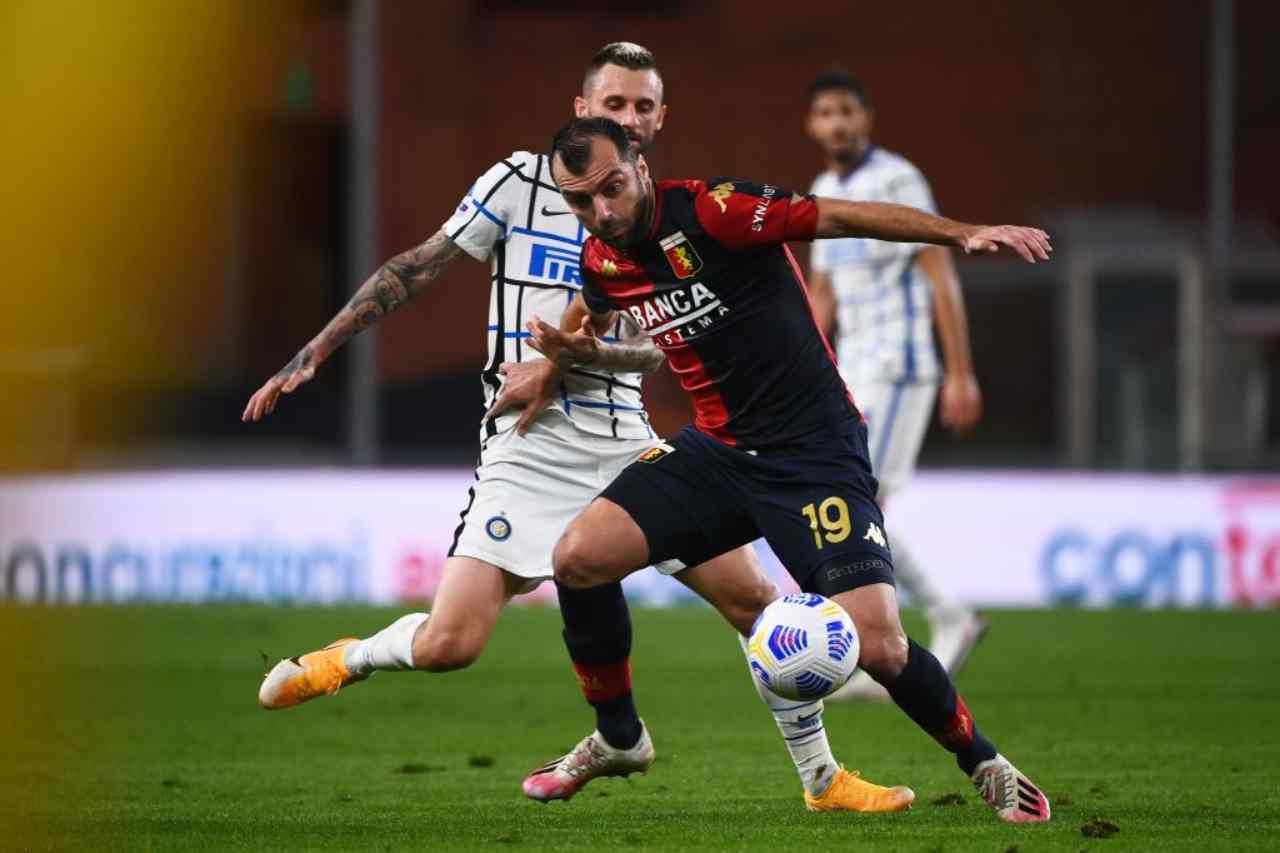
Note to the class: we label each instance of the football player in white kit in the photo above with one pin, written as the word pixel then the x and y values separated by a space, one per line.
pixel 541 466
pixel 882 299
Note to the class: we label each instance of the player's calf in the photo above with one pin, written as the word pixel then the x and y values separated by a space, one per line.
pixel 444 650
pixel 597 635
pixel 924 691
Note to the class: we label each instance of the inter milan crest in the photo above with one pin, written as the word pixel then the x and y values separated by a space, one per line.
pixel 498 528
pixel 681 255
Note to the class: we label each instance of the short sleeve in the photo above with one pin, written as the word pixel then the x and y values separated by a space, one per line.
pixel 820 251
pixel 742 214
pixel 910 188
pixel 820 256
pixel 593 293
pixel 480 221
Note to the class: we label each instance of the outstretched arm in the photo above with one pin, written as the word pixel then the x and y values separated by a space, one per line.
pixel 901 224
pixel 395 283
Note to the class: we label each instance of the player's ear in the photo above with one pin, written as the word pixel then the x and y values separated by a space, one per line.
pixel 662 116
pixel 642 168
pixel 808 126
pixel 871 118
pixel 579 107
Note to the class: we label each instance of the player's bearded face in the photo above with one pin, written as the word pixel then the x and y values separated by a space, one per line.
pixel 632 98
pixel 840 124
pixel 613 198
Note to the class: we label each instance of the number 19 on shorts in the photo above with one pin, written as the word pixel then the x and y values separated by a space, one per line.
pixel 829 521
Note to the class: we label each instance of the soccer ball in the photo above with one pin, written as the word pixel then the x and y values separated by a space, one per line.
pixel 803 646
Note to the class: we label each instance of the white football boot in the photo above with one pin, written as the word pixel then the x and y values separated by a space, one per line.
pixel 1015 798
pixel 591 758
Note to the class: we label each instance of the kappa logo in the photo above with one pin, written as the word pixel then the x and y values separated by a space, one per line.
pixel 681 255
pixel 720 194
pixel 875 535
pixel 653 454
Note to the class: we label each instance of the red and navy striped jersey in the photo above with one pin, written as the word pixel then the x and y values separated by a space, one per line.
pixel 721 295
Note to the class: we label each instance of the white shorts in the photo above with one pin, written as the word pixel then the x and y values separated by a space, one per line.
pixel 897 416
pixel 528 488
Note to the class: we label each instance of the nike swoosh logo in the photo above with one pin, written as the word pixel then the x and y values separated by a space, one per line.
pixel 546 211
pixel 804 718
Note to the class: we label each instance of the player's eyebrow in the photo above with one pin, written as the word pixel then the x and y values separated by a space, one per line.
pixel 608 176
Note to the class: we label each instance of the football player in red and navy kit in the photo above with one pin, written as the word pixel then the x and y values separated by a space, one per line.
pixel 778 448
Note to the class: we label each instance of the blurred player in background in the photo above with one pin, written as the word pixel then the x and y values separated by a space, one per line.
pixel 880 299
pixel 778 448
pixel 539 468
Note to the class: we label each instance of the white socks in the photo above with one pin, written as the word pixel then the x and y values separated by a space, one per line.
pixel 390 648
pixel 801 726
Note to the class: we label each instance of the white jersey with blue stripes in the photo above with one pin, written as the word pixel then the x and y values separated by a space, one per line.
pixel 514 217
pixel 884 301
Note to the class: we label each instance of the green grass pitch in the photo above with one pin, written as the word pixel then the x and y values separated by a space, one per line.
pixel 136 729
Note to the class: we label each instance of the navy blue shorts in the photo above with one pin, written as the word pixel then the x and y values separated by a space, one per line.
pixel 696 498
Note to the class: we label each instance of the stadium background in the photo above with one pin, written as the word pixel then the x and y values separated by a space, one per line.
pixel 193 189
pixel 199 190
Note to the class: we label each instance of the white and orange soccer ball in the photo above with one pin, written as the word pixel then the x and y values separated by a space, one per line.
pixel 803 647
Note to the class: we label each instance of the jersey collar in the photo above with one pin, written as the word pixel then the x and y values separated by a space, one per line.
pixel 657 209
pixel 857 164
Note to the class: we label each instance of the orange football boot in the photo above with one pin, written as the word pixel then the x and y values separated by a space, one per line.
pixel 295 680
pixel 849 792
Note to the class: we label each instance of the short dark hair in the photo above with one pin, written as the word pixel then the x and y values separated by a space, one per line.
pixel 624 54
pixel 838 79
pixel 573 142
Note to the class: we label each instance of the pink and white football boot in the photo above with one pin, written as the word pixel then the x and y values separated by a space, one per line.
pixel 591 758
pixel 1015 798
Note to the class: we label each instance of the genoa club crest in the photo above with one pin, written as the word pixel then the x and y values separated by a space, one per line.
pixel 681 255
pixel 653 454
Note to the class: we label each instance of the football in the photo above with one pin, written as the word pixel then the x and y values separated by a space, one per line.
pixel 803 646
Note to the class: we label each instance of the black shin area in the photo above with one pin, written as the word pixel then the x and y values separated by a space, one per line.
pixel 925 692
pixel 597 633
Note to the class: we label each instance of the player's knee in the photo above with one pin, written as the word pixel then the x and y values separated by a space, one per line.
pixel 574 561
pixel 883 653
pixel 443 651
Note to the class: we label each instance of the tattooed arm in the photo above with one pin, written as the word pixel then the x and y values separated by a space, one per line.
pixel 395 283
pixel 578 342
